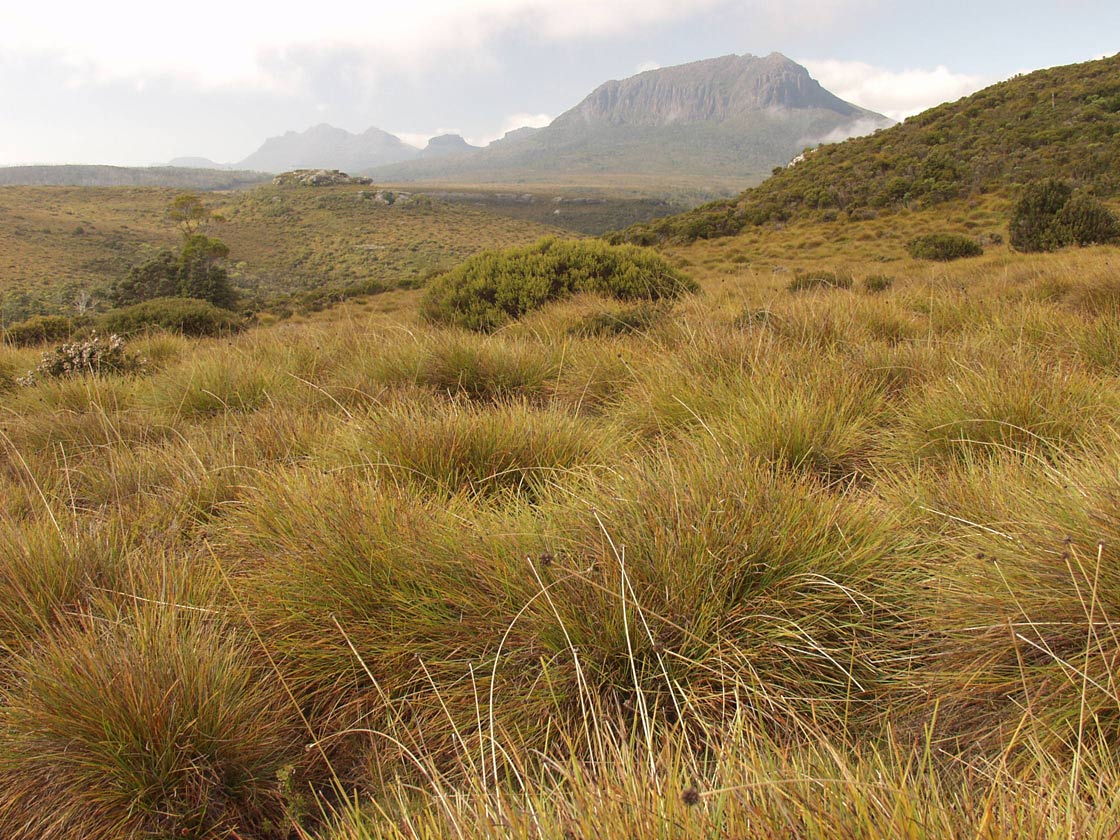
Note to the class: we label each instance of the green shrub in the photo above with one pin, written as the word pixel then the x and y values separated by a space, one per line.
pixel 495 287
pixel 157 276
pixel 1050 215
pixel 1032 220
pixel 94 356
pixel 807 280
pixel 877 283
pixel 943 247
pixel 1085 221
pixel 39 329
pixel 183 315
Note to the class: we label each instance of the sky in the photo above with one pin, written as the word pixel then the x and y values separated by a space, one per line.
pixel 137 82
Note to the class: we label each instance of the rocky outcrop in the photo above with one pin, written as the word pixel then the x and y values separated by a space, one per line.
pixel 730 88
pixel 318 178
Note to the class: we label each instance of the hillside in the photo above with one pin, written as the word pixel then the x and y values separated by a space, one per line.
pixel 61 246
pixel 1062 122
pixel 725 119
pixel 186 177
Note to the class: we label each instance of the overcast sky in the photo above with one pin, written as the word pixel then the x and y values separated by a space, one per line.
pixel 135 82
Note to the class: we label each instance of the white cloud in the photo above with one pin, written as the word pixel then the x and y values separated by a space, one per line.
pixel 646 66
pixel 896 93
pixel 216 42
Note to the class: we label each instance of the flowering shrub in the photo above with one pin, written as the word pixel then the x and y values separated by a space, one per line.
pixel 93 356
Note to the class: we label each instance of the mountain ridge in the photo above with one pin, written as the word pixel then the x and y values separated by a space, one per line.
pixel 1059 122
pixel 731 117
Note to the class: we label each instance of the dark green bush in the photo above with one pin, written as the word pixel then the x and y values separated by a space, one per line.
pixel 157 276
pixel 806 280
pixel 1085 221
pixel 182 315
pixel 1050 215
pixel 1032 220
pixel 943 247
pixel 39 329
pixel 494 287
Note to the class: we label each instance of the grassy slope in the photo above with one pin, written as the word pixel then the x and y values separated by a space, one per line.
pixel 1062 122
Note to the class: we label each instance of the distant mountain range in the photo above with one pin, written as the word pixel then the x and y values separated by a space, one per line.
pixel 735 117
pixel 725 121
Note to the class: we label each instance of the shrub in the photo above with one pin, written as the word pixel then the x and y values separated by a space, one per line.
pixel 807 280
pixel 157 276
pixel 183 315
pixel 1051 216
pixel 39 329
pixel 94 356
pixel 943 247
pixel 495 287
pixel 1085 221
pixel 877 283
pixel 1032 220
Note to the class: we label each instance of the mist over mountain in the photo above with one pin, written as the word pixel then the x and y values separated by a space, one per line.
pixel 733 117
pixel 326 147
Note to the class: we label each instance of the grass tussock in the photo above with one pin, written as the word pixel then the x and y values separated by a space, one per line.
pixel 161 725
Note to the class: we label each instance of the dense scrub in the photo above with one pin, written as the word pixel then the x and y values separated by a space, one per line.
pixel 943 247
pixel 183 315
pixel 494 287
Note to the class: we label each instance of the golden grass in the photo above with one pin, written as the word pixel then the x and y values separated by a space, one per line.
pixel 814 564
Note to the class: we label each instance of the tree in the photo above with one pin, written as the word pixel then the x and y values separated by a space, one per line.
pixel 157 276
pixel 189 213
pixel 202 274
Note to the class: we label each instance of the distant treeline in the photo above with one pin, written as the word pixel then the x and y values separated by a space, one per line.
pixel 129 176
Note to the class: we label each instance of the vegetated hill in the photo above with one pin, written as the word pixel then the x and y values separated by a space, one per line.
pixel 61 247
pixel 734 117
pixel 197 163
pixel 447 144
pixel 187 177
pixel 326 147
pixel 1063 122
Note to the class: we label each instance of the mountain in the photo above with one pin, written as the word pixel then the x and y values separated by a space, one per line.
pixel 1062 122
pixel 734 117
pixel 196 163
pixel 447 144
pixel 178 177
pixel 327 147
